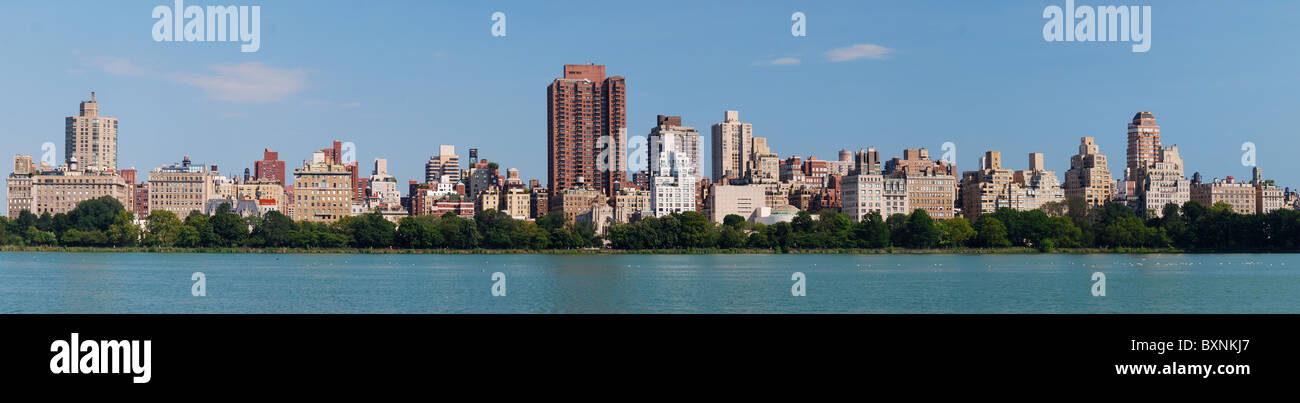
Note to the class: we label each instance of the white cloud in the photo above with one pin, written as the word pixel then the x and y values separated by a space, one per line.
pixel 859 51
pixel 246 82
pixel 784 61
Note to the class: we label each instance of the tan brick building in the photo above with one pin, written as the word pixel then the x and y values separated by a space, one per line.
pixel 1088 177
pixel 322 190
pixel 180 188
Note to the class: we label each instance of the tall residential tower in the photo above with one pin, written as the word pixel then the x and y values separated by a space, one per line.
pixel 586 130
pixel 732 147
pixel 1143 142
pixel 91 138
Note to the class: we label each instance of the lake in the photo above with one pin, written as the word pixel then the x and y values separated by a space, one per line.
pixel 49 282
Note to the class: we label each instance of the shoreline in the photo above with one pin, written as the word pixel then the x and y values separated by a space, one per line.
pixel 702 251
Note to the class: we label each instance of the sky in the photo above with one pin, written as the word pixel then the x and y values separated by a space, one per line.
pixel 399 78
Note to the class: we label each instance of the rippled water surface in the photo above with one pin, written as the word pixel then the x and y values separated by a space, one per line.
pixel 251 283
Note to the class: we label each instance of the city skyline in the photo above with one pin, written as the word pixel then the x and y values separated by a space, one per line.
pixel 144 84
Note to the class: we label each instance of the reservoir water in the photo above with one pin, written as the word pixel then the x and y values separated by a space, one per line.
pixel 47 282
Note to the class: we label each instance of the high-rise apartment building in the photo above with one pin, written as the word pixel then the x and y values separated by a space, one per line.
pixel 1039 184
pixel 1143 141
pixel 1160 183
pixel 673 189
pixel 586 130
pixel 990 188
pixel 1088 177
pixel 764 165
pixel 91 138
pixel 270 168
pixel 383 186
pixel 670 135
pixel 733 143
pixel 443 167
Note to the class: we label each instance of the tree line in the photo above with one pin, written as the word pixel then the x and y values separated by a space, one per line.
pixel 1191 226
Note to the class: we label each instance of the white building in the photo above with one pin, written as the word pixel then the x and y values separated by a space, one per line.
pixel 672 189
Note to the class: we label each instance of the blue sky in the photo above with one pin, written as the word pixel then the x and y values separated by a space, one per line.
pixel 399 78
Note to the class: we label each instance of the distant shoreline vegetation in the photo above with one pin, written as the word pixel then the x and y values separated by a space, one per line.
pixel 103 225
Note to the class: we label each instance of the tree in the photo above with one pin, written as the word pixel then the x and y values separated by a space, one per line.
pixel 38 237
pixel 802 222
pixel 695 228
pixel 1064 233
pixel 202 225
pixel 733 221
pixel 955 232
pixel 897 224
pixel 730 237
pixel 94 214
pixel 1077 208
pixel 229 228
pixel 871 232
pixel 275 230
pixel 369 230
pixel 920 230
pixel 123 231
pixel 188 237
pixel 991 232
pixel 164 228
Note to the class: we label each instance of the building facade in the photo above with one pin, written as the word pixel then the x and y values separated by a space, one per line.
pixel 1143 141
pixel 1240 195
pixel 1088 177
pixel 1160 183
pixel 91 139
pixel 741 200
pixel 181 188
pixel 322 190
pixel 586 130
pixel 733 143
pixel 444 167
pixel 270 168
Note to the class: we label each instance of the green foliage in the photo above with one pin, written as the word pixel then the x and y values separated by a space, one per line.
pixel 104 223
pixel 955 232
pixel 990 232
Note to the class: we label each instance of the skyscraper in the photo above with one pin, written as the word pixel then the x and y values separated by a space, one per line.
pixel 586 129
pixel 445 164
pixel 670 136
pixel 1088 177
pixel 732 147
pixel 1143 142
pixel 90 138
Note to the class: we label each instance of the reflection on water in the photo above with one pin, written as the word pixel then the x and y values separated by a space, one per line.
pixel 246 283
